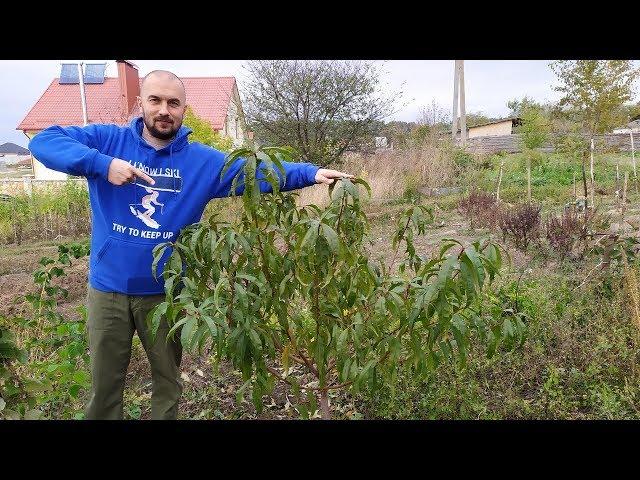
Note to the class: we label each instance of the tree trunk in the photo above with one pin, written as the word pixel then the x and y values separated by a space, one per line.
pixel 324 405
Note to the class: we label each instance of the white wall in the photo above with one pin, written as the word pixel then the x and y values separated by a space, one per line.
pixel 492 130
pixel 235 123
pixel 11 158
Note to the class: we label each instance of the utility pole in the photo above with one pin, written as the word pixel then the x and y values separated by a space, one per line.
pixel 83 98
pixel 454 118
pixel 458 86
pixel 463 113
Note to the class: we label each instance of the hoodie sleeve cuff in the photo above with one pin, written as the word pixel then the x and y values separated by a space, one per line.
pixel 311 171
pixel 101 164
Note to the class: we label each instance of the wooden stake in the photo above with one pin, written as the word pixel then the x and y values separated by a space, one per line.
pixel 584 179
pixel 633 161
pixel 618 182
pixel 633 156
pixel 624 197
pixel 529 179
pixel 593 182
pixel 575 191
pixel 499 181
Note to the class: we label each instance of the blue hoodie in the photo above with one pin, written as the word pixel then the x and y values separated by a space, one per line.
pixel 129 220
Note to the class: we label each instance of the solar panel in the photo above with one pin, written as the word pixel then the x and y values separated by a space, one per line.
pixel 69 73
pixel 94 73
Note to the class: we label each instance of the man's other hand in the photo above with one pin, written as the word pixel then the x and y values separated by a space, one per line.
pixel 327 176
pixel 121 172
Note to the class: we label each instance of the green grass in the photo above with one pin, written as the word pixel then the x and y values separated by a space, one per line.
pixel 551 176
pixel 578 362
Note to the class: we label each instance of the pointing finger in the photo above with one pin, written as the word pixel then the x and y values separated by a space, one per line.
pixel 144 176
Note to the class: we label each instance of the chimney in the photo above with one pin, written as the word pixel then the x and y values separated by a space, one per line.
pixel 129 86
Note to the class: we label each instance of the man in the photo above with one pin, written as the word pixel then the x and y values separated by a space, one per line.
pixel 128 169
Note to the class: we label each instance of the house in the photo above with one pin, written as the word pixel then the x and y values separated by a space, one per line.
pixel 495 128
pixel 10 153
pixel 25 164
pixel 632 127
pixel 113 100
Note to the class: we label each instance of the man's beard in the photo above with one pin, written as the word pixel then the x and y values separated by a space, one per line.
pixel 160 134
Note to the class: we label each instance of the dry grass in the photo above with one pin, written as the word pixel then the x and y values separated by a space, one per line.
pixel 632 292
pixel 394 172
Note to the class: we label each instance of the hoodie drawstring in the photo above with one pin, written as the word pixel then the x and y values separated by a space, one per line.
pixel 173 173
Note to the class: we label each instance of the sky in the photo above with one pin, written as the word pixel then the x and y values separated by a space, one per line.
pixel 489 84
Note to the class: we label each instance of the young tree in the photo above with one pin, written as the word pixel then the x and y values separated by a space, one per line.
pixel 203 132
pixel 594 92
pixel 321 108
pixel 286 288
pixel 533 132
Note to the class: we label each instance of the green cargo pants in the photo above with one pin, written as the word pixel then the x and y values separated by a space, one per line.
pixel 112 319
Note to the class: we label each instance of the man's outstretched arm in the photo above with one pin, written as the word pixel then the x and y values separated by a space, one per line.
pixel 328 176
pixel 297 175
pixel 76 151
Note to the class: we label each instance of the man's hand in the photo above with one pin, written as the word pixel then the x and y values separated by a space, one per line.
pixel 121 172
pixel 327 176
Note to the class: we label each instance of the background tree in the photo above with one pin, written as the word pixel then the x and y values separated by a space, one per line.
pixel 203 132
pixel 321 108
pixel 478 118
pixel 398 132
pixel 594 92
pixel 435 116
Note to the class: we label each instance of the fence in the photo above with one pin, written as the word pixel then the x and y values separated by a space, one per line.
pixel 513 143
pixel 27 184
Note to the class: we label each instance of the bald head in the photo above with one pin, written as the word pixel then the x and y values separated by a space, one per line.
pixel 163 102
pixel 161 77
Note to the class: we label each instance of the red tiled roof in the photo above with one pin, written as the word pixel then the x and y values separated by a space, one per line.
pixel 60 104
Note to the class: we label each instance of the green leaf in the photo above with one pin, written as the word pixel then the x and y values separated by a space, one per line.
pixel 158 252
pixel 331 236
pixel 359 181
pixel 472 254
pixel 33 386
pixel 255 340
pixel 11 414
pixel 177 325
pixel 32 415
pixel 311 235
pixel 187 332
pixel 241 390
pixel 81 377
pixel 154 318
pixel 74 390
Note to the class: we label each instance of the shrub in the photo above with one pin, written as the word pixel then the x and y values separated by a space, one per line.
pixel 480 208
pixel 521 223
pixel 563 231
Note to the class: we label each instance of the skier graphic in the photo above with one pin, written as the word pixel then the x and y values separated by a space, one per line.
pixel 148 202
